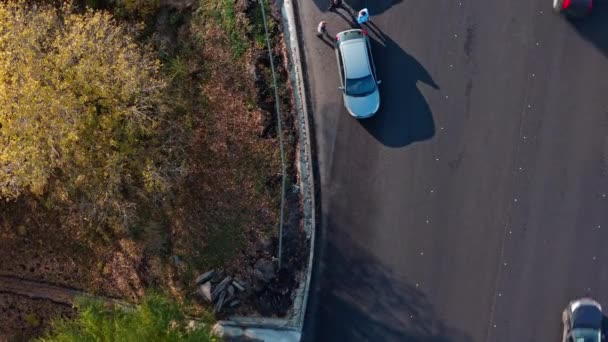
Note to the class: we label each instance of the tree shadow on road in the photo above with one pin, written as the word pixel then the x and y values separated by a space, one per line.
pixel 594 28
pixel 359 299
pixel 404 116
pixel 374 6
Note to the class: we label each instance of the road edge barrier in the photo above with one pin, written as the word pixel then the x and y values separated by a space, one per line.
pixel 288 329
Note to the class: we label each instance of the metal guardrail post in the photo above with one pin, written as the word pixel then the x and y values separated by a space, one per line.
pixel 279 133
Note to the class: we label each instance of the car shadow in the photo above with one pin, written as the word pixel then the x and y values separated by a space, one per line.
pixel 356 298
pixel 375 7
pixel 594 28
pixel 404 116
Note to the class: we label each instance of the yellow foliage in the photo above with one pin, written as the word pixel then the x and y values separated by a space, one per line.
pixel 78 101
pixel 137 7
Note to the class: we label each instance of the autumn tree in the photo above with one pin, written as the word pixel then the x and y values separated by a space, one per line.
pixel 81 120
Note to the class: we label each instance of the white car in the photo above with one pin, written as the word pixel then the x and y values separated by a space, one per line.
pixel 582 320
pixel 358 80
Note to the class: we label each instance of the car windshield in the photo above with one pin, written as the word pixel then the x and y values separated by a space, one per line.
pixel 360 86
pixel 585 335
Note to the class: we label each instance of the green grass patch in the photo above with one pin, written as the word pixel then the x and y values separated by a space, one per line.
pixel 223 13
pixel 157 318
pixel 239 34
pixel 223 243
pixel 177 68
pixel 257 25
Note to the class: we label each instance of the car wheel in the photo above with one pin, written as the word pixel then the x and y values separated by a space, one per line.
pixel 558 5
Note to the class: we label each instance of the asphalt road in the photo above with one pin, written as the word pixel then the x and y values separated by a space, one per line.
pixel 474 206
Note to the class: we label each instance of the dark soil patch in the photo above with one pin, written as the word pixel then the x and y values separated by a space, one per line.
pixel 24 318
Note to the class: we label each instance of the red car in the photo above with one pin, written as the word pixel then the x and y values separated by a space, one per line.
pixel 573 8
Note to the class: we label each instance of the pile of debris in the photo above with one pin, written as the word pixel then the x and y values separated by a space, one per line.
pixel 263 287
pixel 228 291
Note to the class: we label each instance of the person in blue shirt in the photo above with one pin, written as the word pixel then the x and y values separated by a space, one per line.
pixel 363 16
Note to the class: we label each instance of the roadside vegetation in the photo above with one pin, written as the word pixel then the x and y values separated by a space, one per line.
pixel 138 149
pixel 157 318
pixel 84 126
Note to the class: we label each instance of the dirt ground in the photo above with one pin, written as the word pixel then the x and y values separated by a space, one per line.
pixel 24 318
pixel 224 215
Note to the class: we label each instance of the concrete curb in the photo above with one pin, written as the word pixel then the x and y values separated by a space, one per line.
pixel 290 328
pixel 305 157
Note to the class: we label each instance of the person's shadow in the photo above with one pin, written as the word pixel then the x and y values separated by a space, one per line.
pixel 404 116
pixel 594 28
pixel 348 12
pixel 350 16
pixel 375 7
pixel 327 40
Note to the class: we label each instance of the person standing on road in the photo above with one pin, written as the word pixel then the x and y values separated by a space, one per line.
pixel 322 29
pixel 363 16
pixel 334 4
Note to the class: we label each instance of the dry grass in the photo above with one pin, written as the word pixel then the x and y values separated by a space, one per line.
pixel 36 245
pixel 231 198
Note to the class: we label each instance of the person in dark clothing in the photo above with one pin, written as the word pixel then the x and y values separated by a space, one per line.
pixel 334 4
pixel 322 30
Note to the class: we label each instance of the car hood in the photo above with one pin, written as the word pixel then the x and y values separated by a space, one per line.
pixel 363 106
pixel 586 335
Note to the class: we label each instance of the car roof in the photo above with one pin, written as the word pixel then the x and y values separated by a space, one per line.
pixel 587 316
pixel 356 61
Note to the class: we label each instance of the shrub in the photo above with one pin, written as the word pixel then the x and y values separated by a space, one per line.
pixel 81 115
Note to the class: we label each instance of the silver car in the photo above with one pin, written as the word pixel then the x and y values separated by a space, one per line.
pixel 358 80
pixel 582 320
